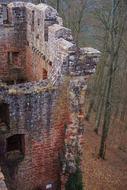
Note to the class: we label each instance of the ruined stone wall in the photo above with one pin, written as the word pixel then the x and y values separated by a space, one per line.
pixel 32 105
pixel 46 39
pixel 31 108
pixel 37 45
pixel 12 43
pixel 46 54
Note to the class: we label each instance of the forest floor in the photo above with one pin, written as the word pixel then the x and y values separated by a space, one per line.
pixel 108 174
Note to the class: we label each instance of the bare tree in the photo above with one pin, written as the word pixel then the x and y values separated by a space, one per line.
pixel 72 12
pixel 114 28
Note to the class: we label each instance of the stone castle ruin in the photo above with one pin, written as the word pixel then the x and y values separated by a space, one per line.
pixel 39 63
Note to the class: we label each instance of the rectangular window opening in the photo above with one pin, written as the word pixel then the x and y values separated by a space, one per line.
pixel 15 147
pixel 4 116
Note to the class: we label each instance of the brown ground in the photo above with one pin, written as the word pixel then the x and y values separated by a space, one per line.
pixel 109 174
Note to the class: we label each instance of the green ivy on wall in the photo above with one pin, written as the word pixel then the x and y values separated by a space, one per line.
pixel 75 181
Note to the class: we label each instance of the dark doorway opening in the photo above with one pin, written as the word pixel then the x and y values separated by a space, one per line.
pixel 15 142
pixel 4 116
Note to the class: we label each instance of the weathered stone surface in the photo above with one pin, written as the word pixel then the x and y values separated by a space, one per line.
pixel 36 55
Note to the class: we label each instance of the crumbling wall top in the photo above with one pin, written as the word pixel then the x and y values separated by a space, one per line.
pixel 26 88
pixel 66 45
pixel 16 4
pixel 30 6
pixel 45 38
pixel 49 11
pixel 90 51
pixel 61 32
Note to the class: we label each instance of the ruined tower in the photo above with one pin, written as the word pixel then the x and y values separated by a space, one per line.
pixel 36 54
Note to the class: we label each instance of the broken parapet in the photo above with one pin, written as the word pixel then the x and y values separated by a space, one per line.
pixel 38 46
pixel 1 15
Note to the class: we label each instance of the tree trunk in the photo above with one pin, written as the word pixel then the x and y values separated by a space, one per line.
pixel 58 6
pixel 98 117
pixel 89 110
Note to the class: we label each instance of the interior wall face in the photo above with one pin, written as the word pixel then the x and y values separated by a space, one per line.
pixel 12 45
pixel 37 154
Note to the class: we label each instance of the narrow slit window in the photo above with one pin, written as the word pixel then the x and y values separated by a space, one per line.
pixel 32 24
pixel 46 31
pixel 38 21
pixel 45 74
